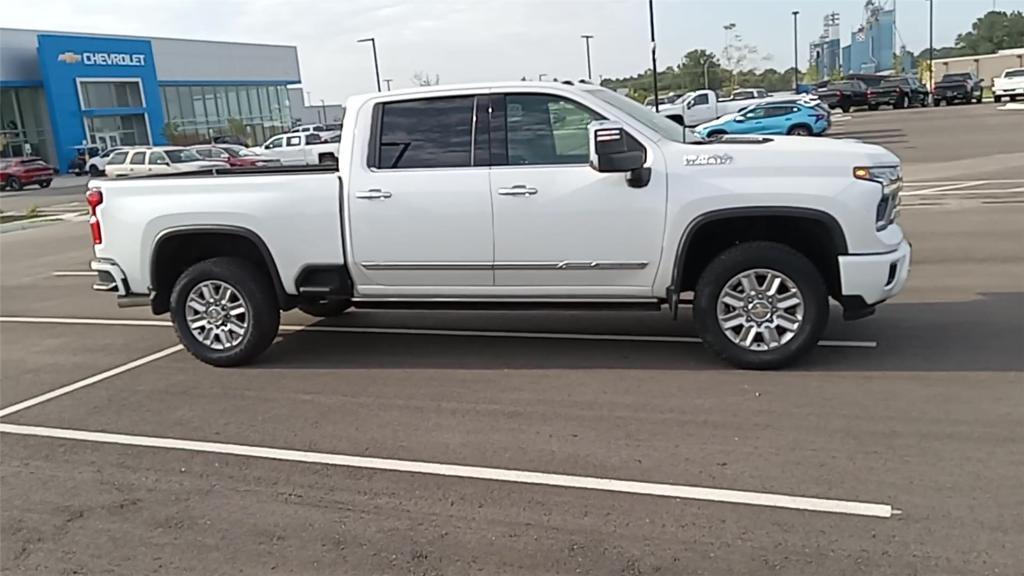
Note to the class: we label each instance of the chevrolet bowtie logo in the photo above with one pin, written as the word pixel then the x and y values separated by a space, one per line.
pixel 69 58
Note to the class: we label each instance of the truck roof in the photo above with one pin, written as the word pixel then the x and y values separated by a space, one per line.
pixel 445 88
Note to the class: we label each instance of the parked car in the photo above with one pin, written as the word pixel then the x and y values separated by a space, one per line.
pixel 843 94
pixel 899 92
pixel 83 153
pixel 663 100
pixel 700 106
pixel 1009 85
pixel 746 94
pixel 958 87
pixel 233 155
pixel 232 139
pixel 157 160
pixel 96 165
pixel 419 213
pixel 299 149
pixel 794 119
pixel 16 173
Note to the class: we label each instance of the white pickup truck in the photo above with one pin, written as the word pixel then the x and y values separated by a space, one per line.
pixel 1009 85
pixel 515 195
pixel 696 108
pixel 300 148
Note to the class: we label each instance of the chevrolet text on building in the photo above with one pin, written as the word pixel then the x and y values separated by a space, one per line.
pixel 613 209
pixel 103 59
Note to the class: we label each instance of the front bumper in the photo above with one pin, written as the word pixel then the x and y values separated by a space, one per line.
pixel 1009 91
pixel 875 277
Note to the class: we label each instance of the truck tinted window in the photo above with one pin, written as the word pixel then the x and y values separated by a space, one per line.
pixel 118 157
pixel 138 158
pixel 430 133
pixel 546 129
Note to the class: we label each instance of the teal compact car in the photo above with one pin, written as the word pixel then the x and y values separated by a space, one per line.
pixel 796 118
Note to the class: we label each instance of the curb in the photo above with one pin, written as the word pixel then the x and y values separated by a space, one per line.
pixel 38 222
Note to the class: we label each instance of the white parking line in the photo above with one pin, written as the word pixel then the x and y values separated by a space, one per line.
pixel 965 182
pixel 847 507
pixel 946 187
pixel 951 192
pixel 73 273
pixel 427 332
pixel 88 381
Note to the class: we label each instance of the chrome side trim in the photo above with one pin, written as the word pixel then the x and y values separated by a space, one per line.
pixel 564 265
pixel 426 265
pixel 514 300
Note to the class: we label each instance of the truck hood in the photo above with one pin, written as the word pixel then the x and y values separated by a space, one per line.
pixel 766 155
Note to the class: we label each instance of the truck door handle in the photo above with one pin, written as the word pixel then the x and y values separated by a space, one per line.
pixel 374 194
pixel 517 190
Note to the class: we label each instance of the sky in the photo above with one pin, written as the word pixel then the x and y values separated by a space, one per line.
pixel 486 40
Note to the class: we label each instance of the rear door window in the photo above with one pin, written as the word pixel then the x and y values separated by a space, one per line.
pixel 428 133
pixel 138 158
pixel 118 157
pixel 293 141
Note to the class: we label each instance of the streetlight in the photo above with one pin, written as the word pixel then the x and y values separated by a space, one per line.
pixel 376 68
pixel 796 53
pixel 586 38
pixel 387 83
pixel 654 54
pixel 323 107
pixel 931 44
pixel 707 62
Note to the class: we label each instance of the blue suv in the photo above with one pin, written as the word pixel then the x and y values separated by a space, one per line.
pixel 793 118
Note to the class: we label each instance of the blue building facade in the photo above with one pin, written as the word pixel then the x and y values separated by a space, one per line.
pixel 59 91
pixel 872 47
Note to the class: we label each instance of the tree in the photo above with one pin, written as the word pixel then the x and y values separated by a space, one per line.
pixel 737 55
pixel 421 78
pixel 692 67
pixel 993 32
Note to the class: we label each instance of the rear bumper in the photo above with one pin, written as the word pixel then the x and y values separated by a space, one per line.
pixel 875 277
pixel 109 277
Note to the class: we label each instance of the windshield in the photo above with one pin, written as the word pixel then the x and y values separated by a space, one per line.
pixel 663 126
pixel 181 155
pixel 1019 73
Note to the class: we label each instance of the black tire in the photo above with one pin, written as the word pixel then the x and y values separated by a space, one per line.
pixel 1013 98
pixel 901 103
pixel 94 171
pixel 44 184
pixel 325 308
pixel 256 291
pixel 761 255
pixel 845 108
pixel 800 130
pixel 998 99
pixel 937 102
pixel 872 107
pixel 13 183
pixel 717 133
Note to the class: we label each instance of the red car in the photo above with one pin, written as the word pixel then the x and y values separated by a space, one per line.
pixel 16 173
pixel 234 155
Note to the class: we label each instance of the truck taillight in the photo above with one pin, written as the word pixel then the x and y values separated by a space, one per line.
pixel 94 197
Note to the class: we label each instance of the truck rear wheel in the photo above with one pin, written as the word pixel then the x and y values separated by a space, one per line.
pixel 760 305
pixel 225 311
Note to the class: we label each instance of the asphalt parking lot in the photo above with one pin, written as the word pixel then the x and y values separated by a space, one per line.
pixel 457 443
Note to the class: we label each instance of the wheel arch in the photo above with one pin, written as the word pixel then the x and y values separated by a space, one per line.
pixel 685 268
pixel 166 264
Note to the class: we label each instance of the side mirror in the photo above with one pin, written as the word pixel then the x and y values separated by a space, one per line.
pixel 608 153
pixel 740 119
pixel 690 104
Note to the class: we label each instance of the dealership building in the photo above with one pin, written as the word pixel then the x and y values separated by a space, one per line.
pixel 59 91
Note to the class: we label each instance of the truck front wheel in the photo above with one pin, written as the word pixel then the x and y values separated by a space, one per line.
pixel 760 305
pixel 225 311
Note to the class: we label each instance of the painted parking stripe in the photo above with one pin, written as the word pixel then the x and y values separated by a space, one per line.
pixel 88 381
pixel 950 192
pixel 426 332
pixel 765 499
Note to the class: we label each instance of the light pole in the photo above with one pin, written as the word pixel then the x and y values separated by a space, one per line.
pixel 376 67
pixel 931 44
pixel 707 62
pixel 387 84
pixel 323 107
pixel 796 53
pixel 586 38
pixel 654 54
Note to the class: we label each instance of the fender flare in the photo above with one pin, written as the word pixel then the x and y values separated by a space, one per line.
pixel 836 233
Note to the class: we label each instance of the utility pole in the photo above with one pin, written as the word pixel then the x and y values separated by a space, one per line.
pixel 654 54
pixel 376 67
pixel 707 62
pixel 387 84
pixel 587 37
pixel 323 107
pixel 796 53
pixel 931 44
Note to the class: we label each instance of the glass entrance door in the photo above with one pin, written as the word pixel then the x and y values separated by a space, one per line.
pixel 107 140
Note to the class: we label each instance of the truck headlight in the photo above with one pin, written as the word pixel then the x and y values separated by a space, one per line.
pixel 891 180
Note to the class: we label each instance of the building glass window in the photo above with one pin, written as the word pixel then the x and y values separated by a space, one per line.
pixel 99 95
pixel 232 95
pixel 243 103
pixel 22 124
pixel 264 101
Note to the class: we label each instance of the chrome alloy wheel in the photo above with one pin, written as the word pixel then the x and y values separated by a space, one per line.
pixel 216 315
pixel 760 309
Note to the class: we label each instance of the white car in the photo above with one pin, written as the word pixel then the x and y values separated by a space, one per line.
pixel 512 195
pixel 156 160
pixel 308 128
pixel 97 164
pixel 700 106
pixel 1009 85
pixel 300 149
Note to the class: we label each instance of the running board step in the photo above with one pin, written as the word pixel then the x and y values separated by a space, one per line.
pixel 497 305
